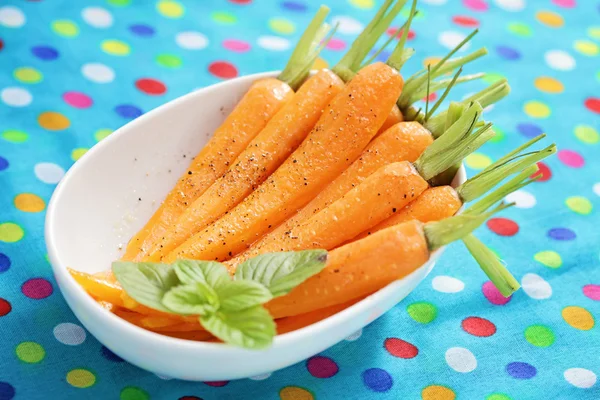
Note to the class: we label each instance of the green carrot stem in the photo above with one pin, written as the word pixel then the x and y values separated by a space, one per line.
pixel 446 84
pixel 385 45
pixel 511 154
pixel 491 266
pixel 399 55
pixel 454 112
pixel 427 92
pixel 318 50
pixel 304 54
pixel 444 232
pixel 428 114
pixel 454 63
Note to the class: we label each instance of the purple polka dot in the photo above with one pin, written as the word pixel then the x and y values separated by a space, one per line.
pixel 529 130
pixel 4 262
pixel 3 163
pixel 109 355
pixel 45 53
pixel 321 367
pixel 142 30
pixel 521 370
pixel 561 234
pixel 7 391
pixel 128 111
pixel 377 379
pixel 239 46
pixel 294 6
pixel 508 53
pixel 37 288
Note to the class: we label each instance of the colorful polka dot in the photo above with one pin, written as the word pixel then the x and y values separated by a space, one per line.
pixel 7 391
pixel 37 288
pixel 115 47
pixel 520 29
pixel 15 136
pixel 550 18
pixel 561 234
pixel 295 393
pixel 508 53
pixel 549 85
pixel 377 379
pixel 321 367
pixel 28 75
pixel 549 258
pixel 336 44
pixel 81 378
pixel 170 8
pixel 594 32
pixel 400 348
pixel 437 392
pixel 544 173
pixel 347 25
pixel 363 4
pixel 511 5
pixel 217 383
pixel 503 226
pixel 10 232
pixel 128 111
pixel 586 47
pixel 119 3
pixel 587 134
pixel 98 73
pixel 191 40
pixel 478 326
pixel 463 20
pixel 238 46
pixel 578 318
pixel 559 60
pixel 592 292
pixel 592 104
pixel 461 360
pixel 4 262
pixel 476 5
pixel 69 334
pixel 169 61
pixel 579 205
pixel 282 26
pixel 142 30
pixel 45 53
pixel 580 377
pixel 493 295
pixel 102 134
pixel 522 199
pixel 11 17
pixel 447 284
pixel 539 335
pixel 536 287
pixel 29 202
pixel 97 17
pixel 451 39
pixel 151 86
pixel 422 312
pixel 77 99
pixel 477 161
pixel 3 163
pixel 223 69
pixel 292 5
pixel 5 307
pixel 273 43
pixel 571 158
pixel 537 109
pixel 223 17
pixel 30 352
pixel 521 370
pixel 16 97
pixel 65 28
pixel 564 3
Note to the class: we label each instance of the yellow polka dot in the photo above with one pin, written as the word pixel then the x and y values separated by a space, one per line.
pixel 549 85
pixel 578 318
pixel 364 4
pixel 170 8
pixel 586 47
pixel 77 153
pixel 320 64
pixel 580 205
pixel 53 121
pixel 477 161
pixel 29 202
pixel 81 378
pixel 115 47
pixel 30 352
pixel 587 134
pixel 537 109
pixel 65 28
pixel 10 232
pixel 437 392
pixel 295 393
pixel 102 133
pixel 431 61
pixel 594 32
pixel 27 75
pixel 550 19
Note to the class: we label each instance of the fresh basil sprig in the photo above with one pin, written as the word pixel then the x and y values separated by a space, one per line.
pixel 230 309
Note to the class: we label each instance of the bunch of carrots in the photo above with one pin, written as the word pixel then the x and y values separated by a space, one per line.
pixel 340 161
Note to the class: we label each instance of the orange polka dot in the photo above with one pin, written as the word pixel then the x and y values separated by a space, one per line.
pixel 295 393
pixel 437 392
pixel 549 85
pixel 29 202
pixel 320 64
pixel 53 121
pixel 550 19
pixel 578 318
pixel 431 61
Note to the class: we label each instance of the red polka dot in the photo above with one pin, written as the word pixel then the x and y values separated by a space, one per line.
pixel 189 398
pixel 321 367
pixel 493 295
pixel 593 104
pixel 223 69
pixel 5 307
pixel 37 288
pixel 478 326
pixel 503 226
pixel 78 99
pixel 1 44
pixel 432 97
pixel 543 172
pixel 151 86
pixel 463 20
pixel 400 348
pixel 398 33
pixel 216 383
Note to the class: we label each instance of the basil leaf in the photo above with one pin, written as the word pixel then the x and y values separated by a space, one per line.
pixel 281 272
pixel 239 295
pixel 209 272
pixel 252 328
pixel 192 299
pixel 145 282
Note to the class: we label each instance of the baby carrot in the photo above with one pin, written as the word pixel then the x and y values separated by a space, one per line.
pixel 289 324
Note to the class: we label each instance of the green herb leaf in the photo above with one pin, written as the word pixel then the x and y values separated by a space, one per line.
pixel 252 328
pixel 281 272
pixel 146 283
pixel 243 294
pixel 195 298
pixel 210 272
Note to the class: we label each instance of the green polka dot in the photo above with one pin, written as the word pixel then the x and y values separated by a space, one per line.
pixel 422 312
pixel 119 3
pixel 539 335
pixel 499 136
pixel 76 154
pixel 492 77
pixel 282 26
pixel 169 60
pixel 102 133
pixel 30 352
pixel 81 378
pixel 498 396
pixel 477 161
pixel 579 204
pixel 520 29
pixel 594 32
pixel 134 393
pixel 28 75
pixel 15 136
pixel 548 258
pixel 587 134
pixel 65 28
pixel 10 232
pixel 223 17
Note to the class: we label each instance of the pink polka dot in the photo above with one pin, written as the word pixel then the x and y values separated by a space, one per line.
pixel 37 288
pixel 321 367
pixel 239 46
pixel 336 44
pixel 476 5
pixel 571 158
pixel 77 99
pixel 565 3
pixel 592 291
pixel 493 295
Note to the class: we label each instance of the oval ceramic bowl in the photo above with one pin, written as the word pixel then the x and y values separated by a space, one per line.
pixel 110 193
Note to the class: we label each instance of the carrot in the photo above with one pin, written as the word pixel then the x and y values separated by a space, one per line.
pixel 100 289
pixel 394 117
pixel 289 324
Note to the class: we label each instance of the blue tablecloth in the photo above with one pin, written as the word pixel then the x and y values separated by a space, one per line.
pixel 71 72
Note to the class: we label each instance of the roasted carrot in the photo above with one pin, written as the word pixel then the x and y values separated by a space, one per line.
pixel 289 324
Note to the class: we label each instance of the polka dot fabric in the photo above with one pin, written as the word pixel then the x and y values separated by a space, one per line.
pixel 455 336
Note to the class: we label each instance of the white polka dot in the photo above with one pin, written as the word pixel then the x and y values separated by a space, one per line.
pixel 16 97
pixel 273 43
pixel 522 199
pixel 450 39
pixel 163 377
pixel 511 5
pixel 347 25
pixel 580 377
pixel 261 377
pixel 354 336
pixel 560 60
pixel 191 40
pixel 69 334
pixel 461 359
pixel 596 188
pixel 98 73
pixel 435 2
pixel 11 17
pixel 536 287
pixel 97 17
pixel 447 284
pixel 48 172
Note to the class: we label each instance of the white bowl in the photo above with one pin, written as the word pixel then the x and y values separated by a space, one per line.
pixel 109 194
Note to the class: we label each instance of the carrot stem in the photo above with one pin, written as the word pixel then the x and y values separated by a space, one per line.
pixel 400 55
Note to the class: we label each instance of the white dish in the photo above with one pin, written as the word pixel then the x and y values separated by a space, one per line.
pixel 110 193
